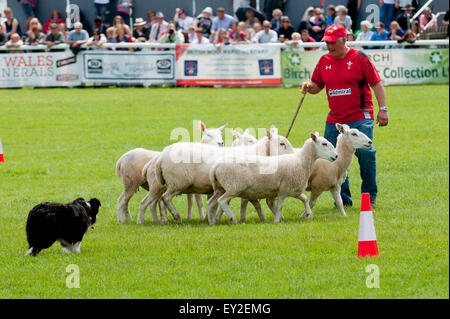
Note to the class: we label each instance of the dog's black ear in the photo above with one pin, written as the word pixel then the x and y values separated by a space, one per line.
pixel 95 203
pixel 79 200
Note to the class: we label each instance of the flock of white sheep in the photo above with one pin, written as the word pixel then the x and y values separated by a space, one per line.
pixel 269 168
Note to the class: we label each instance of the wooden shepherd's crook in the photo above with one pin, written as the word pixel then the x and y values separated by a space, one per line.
pixel 295 115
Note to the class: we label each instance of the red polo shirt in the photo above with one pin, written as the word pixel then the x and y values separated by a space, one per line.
pixel 347 83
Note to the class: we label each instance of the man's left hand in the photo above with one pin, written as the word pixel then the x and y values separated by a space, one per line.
pixel 382 118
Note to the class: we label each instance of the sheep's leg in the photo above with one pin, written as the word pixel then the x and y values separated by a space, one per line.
pixel 122 204
pixel 223 201
pixel 143 207
pixel 167 198
pixel 190 199
pixel 314 197
pixel 199 200
pixel 162 210
pixel 336 192
pixel 279 206
pixel 257 206
pixel 271 204
pixel 308 212
pixel 244 203
pixel 211 208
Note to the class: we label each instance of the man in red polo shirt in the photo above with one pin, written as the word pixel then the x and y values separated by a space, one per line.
pixel 347 74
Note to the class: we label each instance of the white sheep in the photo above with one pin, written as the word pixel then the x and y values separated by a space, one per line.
pixel 330 175
pixel 129 168
pixel 248 177
pixel 183 168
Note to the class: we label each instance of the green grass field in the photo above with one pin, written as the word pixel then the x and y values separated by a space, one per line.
pixel 63 143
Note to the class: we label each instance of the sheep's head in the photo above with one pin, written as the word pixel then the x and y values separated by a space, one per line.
pixel 243 139
pixel 324 148
pixel 212 136
pixel 279 145
pixel 357 138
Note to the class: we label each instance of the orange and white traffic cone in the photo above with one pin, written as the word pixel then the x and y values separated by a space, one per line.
pixel 367 239
pixel 2 158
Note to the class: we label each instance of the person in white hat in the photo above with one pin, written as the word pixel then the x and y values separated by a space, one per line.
pixel 204 21
pixel 141 33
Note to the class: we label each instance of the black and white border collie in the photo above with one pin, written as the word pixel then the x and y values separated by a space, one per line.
pixel 66 223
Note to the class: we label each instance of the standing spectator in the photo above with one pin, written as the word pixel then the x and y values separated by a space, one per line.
pixel 77 37
pixel 11 23
pixel 221 21
pixel 425 18
pixel 101 10
pixel 307 38
pixel 29 6
pixel 35 37
pixel 182 19
pixel 97 39
pixel 172 35
pixel 141 33
pixel 317 25
pixel 118 20
pixel 251 18
pixel 275 22
pixel 286 28
pixel 98 24
pixel 200 37
pixel 121 36
pixel 387 9
pixel 365 34
pixel 404 17
pixel 331 15
pixel 14 42
pixel 55 17
pixel 54 36
pixel 343 17
pixel 204 21
pixel 124 8
pixel 158 27
pixel 241 4
pixel 396 33
pixel 151 17
pixel 266 35
pixel 445 21
pixel 304 23
pixel 296 40
pixel 353 7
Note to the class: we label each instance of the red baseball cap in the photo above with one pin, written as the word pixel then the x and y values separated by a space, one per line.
pixel 334 32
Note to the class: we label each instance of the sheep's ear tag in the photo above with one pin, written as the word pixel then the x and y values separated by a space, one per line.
pixel 202 126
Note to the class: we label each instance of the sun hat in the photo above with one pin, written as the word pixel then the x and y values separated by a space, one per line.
pixel 139 21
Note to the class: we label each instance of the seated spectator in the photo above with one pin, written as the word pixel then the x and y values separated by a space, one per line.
pixel 267 35
pixel 124 10
pixel 251 19
pixel 171 35
pixel 242 35
pixel 14 42
pixel 191 33
pixel 232 31
pixel 396 33
pixel 201 39
pixel 350 36
pixel 77 37
pixel 204 21
pixel 12 24
pixel 257 27
pixel 380 35
pixel 97 39
pixel 141 33
pixel 121 36
pixel 286 28
pixel 425 18
pixel 317 25
pixel 63 29
pixel 304 23
pixel 98 24
pixel 404 17
pixel 221 21
pixel 3 37
pixel 54 36
pixel 111 36
pixel 158 26
pixel 222 37
pixel 331 15
pixel 151 17
pixel 365 34
pixel 296 40
pixel 118 20
pixel 35 37
pixel 32 23
pixel 55 17
pixel 342 16
pixel 275 22
pixel 182 19
pixel 307 38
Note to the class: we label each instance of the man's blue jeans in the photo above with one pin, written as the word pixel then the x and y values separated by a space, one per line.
pixel 102 11
pixel 366 158
pixel 386 14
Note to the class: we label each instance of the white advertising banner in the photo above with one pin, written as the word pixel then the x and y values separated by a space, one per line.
pixel 236 65
pixel 142 67
pixel 39 69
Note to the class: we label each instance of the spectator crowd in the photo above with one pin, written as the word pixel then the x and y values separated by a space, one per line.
pixel 245 25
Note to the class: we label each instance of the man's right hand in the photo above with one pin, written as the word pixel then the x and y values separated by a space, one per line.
pixel 305 86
